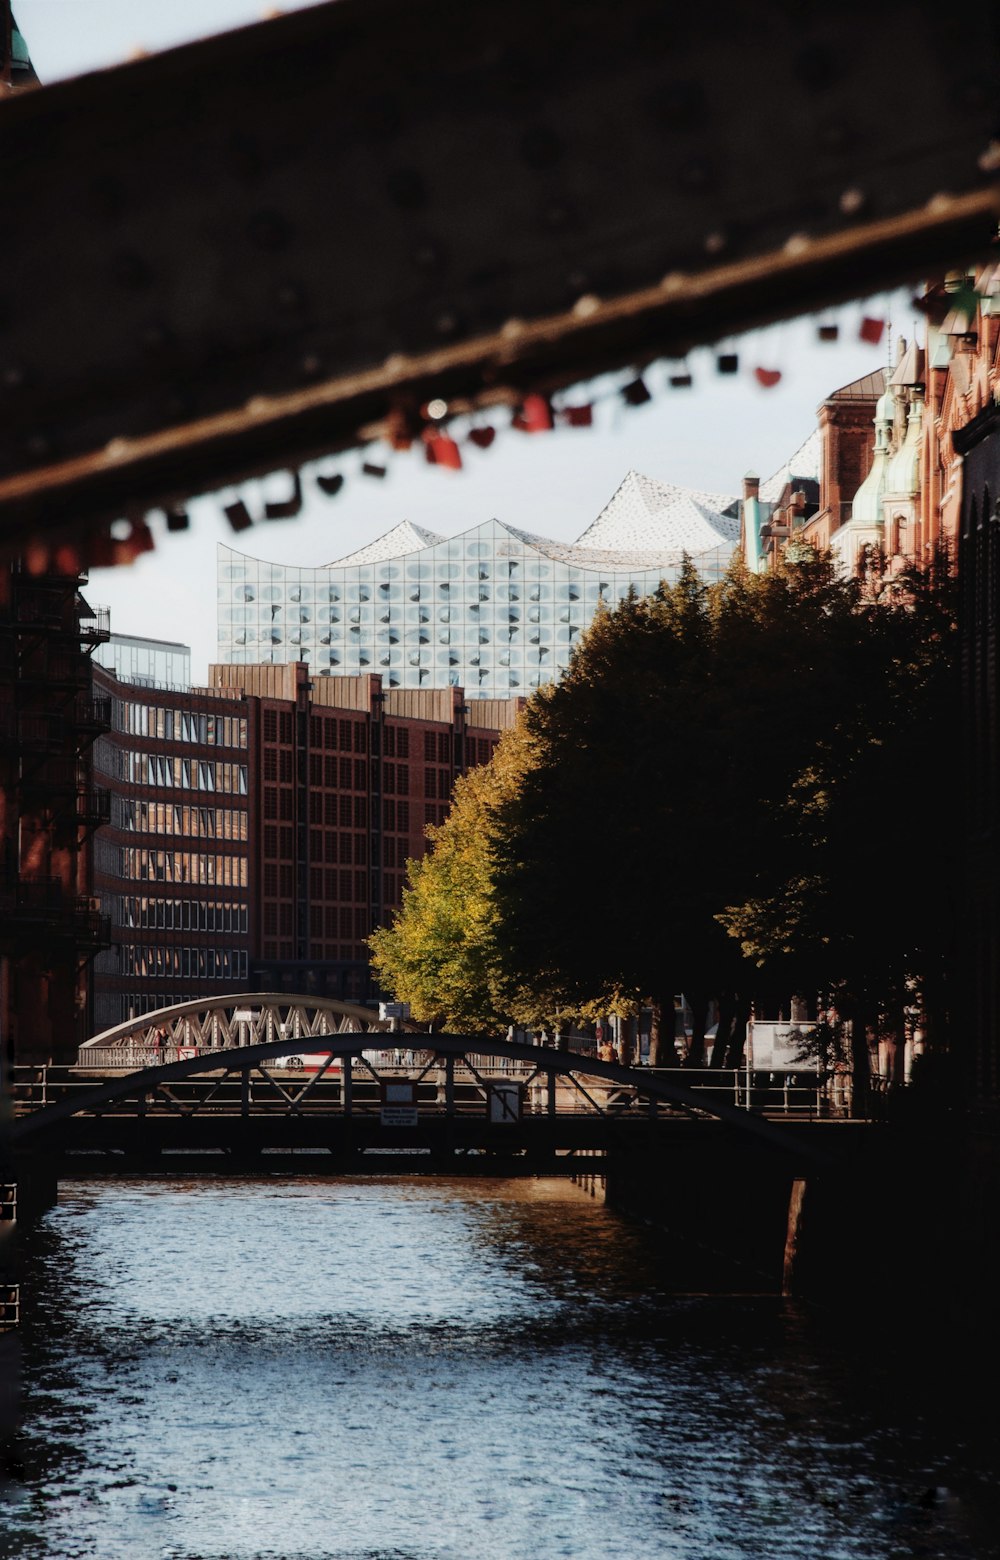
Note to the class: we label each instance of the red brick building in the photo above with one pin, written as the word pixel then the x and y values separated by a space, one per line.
pixel 260 827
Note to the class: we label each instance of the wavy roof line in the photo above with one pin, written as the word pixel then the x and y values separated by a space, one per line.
pixel 645 524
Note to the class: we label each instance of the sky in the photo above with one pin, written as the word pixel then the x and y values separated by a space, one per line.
pixel 555 484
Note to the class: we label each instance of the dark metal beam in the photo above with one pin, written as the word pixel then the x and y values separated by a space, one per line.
pixel 248 251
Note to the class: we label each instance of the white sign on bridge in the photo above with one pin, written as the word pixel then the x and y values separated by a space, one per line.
pixel 399 1103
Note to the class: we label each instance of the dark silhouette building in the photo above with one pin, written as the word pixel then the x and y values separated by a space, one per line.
pixel 50 715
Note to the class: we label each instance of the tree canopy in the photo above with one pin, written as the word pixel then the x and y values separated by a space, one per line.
pixel 729 790
pixel 441 954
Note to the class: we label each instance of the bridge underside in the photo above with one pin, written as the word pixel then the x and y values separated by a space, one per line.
pixel 534 1146
pixel 289 1145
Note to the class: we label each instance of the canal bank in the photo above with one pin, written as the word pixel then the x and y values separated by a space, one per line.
pixel 899 1217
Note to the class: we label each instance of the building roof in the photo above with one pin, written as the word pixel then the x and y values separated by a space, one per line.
pixel 804 465
pixel 646 514
pixel 667 555
pixel 647 524
pixel 868 388
pixel 402 539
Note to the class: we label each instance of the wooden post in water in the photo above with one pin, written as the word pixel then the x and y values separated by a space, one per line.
pixel 796 1199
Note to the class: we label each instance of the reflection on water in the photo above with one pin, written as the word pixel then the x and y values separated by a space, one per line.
pixel 439 1370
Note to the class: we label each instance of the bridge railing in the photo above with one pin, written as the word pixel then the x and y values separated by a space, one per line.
pixel 285 1083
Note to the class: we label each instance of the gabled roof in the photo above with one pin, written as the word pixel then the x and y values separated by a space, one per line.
pixel 402 539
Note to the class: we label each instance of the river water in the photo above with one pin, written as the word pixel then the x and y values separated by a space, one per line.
pixel 441 1370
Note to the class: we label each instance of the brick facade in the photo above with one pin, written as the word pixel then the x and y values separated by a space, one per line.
pixel 261 827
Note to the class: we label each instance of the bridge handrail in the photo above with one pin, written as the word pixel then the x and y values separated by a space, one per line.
pixel 645 1080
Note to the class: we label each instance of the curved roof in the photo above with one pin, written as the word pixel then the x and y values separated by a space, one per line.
pixel 402 539
pixel 646 525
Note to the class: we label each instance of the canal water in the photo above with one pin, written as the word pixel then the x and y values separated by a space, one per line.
pixel 445 1370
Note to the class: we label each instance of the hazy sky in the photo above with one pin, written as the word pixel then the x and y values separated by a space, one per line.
pixel 705 437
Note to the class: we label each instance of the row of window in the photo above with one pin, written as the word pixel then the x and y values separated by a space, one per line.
pixel 158 961
pixel 324 845
pixel 326 731
pixel 331 663
pixel 437 782
pixel 348 774
pixel 327 883
pixel 395 853
pixel 170 725
pixel 184 774
pixel 396 779
pixel 334 623
pixel 477 585
pixel 335 810
pixel 114 1007
pixel 397 742
pixel 396 815
pixel 505 634
pixel 181 915
pixel 341 921
pixel 215 823
pixel 392 889
pixel 182 866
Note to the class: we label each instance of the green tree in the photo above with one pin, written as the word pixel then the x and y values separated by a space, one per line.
pixel 863 902
pixel 694 812
pixel 727 795
pixel 441 952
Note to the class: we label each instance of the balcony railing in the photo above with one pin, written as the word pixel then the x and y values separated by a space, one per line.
pixel 93 714
pixel 95 628
pixel 93 808
pixel 91 927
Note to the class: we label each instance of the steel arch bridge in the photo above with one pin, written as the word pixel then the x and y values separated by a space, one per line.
pixel 239 1019
pixel 233 1094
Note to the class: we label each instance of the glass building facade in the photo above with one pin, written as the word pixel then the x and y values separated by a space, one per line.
pixel 152 663
pixel 495 611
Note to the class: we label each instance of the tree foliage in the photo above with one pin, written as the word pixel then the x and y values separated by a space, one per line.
pixel 441 953
pixel 735 788
pixel 710 786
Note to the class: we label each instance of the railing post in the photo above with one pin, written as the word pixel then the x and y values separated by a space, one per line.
pixel 449 1085
pixel 346 1088
pixel 552 1093
pixel 245 1092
